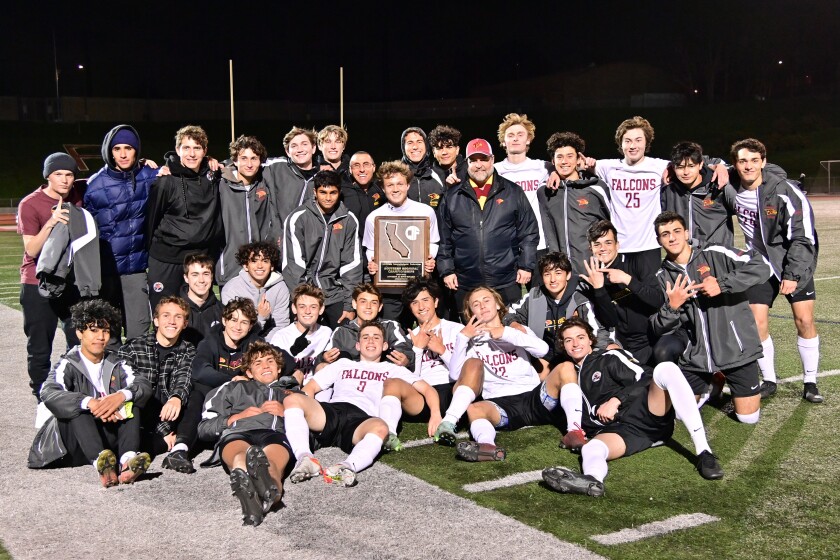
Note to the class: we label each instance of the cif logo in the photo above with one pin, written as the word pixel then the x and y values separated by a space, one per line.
pixel 412 232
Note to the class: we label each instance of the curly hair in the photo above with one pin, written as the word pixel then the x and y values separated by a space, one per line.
pixel 629 124
pixel 243 305
pixel 396 167
pixel 443 135
pixel 749 144
pixel 258 349
pixel 513 119
pixel 191 131
pixel 248 142
pixel 563 139
pixel 259 248
pixel 94 313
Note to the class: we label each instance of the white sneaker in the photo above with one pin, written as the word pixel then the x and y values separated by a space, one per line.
pixel 341 474
pixel 307 467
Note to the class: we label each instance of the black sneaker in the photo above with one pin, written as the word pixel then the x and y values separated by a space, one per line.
pixel 708 466
pixel 768 389
pixel 243 488
pixel 811 394
pixel 257 464
pixel 567 481
pixel 178 461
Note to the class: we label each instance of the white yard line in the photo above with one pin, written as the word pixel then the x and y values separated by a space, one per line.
pixel 429 441
pixel 512 480
pixel 655 529
pixel 826 278
pixel 829 373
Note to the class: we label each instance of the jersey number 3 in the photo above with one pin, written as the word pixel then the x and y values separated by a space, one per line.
pixel 361 387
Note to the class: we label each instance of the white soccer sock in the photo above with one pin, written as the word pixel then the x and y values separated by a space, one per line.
pixel 594 459
pixel 483 431
pixel 127 456
pixel 809 352
pixel 365 452
pixel 749 418
pixel 767 363
pixel 461 399
pixel 390 410
pixel 180 447
pixel 297 432
pixel 668 377
pixel 571 401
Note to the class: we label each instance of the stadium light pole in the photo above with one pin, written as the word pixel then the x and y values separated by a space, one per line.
pixel 55 67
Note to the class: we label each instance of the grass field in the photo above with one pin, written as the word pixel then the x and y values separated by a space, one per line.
pixel 779 498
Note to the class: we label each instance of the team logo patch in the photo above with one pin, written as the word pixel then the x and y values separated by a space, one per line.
pixel 704 270
pixel 770 211
pixel 158 287
pixel 583 202
pixel 434 199
pixel 500 200
pixel 596 377
pixel 375 197
pixel 222 360
pixel 337 227
pixel 708 203
pixel 261 193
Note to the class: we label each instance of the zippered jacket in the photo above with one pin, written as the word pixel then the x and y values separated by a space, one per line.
pixel 707 209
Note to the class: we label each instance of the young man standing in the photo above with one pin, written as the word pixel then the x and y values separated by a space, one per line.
pixel 425 187
pixel 38 214
pixel 322 247
pixel 449 164
pixel 332 141
pixel 706 206
pixel 578 202
pixel 348 420
pixel 247 205
pixel 488 231
pixel 516 132
pixel 778 223
pixel 205 308
pixel 290 177
pixel 628 409
pixel 91 397
pixel 259 282
pixel 183 214
pixel 705 289
pixel 164 359
pixel 395 177
pixel 116 196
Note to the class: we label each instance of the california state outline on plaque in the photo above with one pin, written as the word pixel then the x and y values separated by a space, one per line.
pixel 397 244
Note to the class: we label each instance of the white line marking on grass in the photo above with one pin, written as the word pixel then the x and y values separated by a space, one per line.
pixel 504 482
pixel 829 373
pixel 676 523
pixel 826 278
pixel 429 441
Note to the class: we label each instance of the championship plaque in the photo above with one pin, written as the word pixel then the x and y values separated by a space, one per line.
pixel 401 246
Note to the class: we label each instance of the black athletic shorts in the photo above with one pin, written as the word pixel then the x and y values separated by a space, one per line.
pixel 260 438
pixel 766 292
pixel 527 409
pixel 444 391
pixel 743 380
pixel 342 420
pixel 639 427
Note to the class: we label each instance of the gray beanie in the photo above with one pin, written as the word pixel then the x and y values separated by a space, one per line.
pixel 59 161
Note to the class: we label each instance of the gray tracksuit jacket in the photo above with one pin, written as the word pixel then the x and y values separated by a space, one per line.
pixel 567 213
pixel 721 330
pixel 289 187
pixel 72 247
pixel 707 209
pixel 323 253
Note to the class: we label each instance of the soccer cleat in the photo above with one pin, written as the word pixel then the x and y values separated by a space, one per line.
pixel 473 451
pixel 567 481
pixel 257 464
pixel 106 466
pixel 393 443
pixel 811 394
pixel 341 474
pixel 134 468
pixel 307 467
pixel 243 488
pixel 767 390
pixel 574 439
pixel 445 434
pixel 708 466
pixel 178 461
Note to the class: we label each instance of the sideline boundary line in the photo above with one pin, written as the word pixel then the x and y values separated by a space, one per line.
pixel 655 529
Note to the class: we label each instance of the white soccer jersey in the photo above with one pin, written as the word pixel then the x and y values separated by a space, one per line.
pixel 305 359
pixel 531 174
pixel 433 368
pixel 360 383
pixel 635 201
pixel 507 361
pixel 746 206
pixel 408 208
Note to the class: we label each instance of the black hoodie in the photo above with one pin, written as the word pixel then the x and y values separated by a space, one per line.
pixel 426 186
pixel 183 214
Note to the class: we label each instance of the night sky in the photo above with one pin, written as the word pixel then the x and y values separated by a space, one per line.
pixel 400 50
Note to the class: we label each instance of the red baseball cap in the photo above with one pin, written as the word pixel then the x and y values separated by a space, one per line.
pixel 479 146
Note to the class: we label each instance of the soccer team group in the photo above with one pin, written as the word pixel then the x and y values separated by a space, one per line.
pixel 609 343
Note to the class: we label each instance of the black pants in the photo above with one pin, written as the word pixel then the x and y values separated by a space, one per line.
pixel 191 416
pixel 40 318
pixel 85 437
pixel 165 279
pixel 331 314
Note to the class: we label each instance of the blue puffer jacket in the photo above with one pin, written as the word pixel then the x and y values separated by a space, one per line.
pixel 117 200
